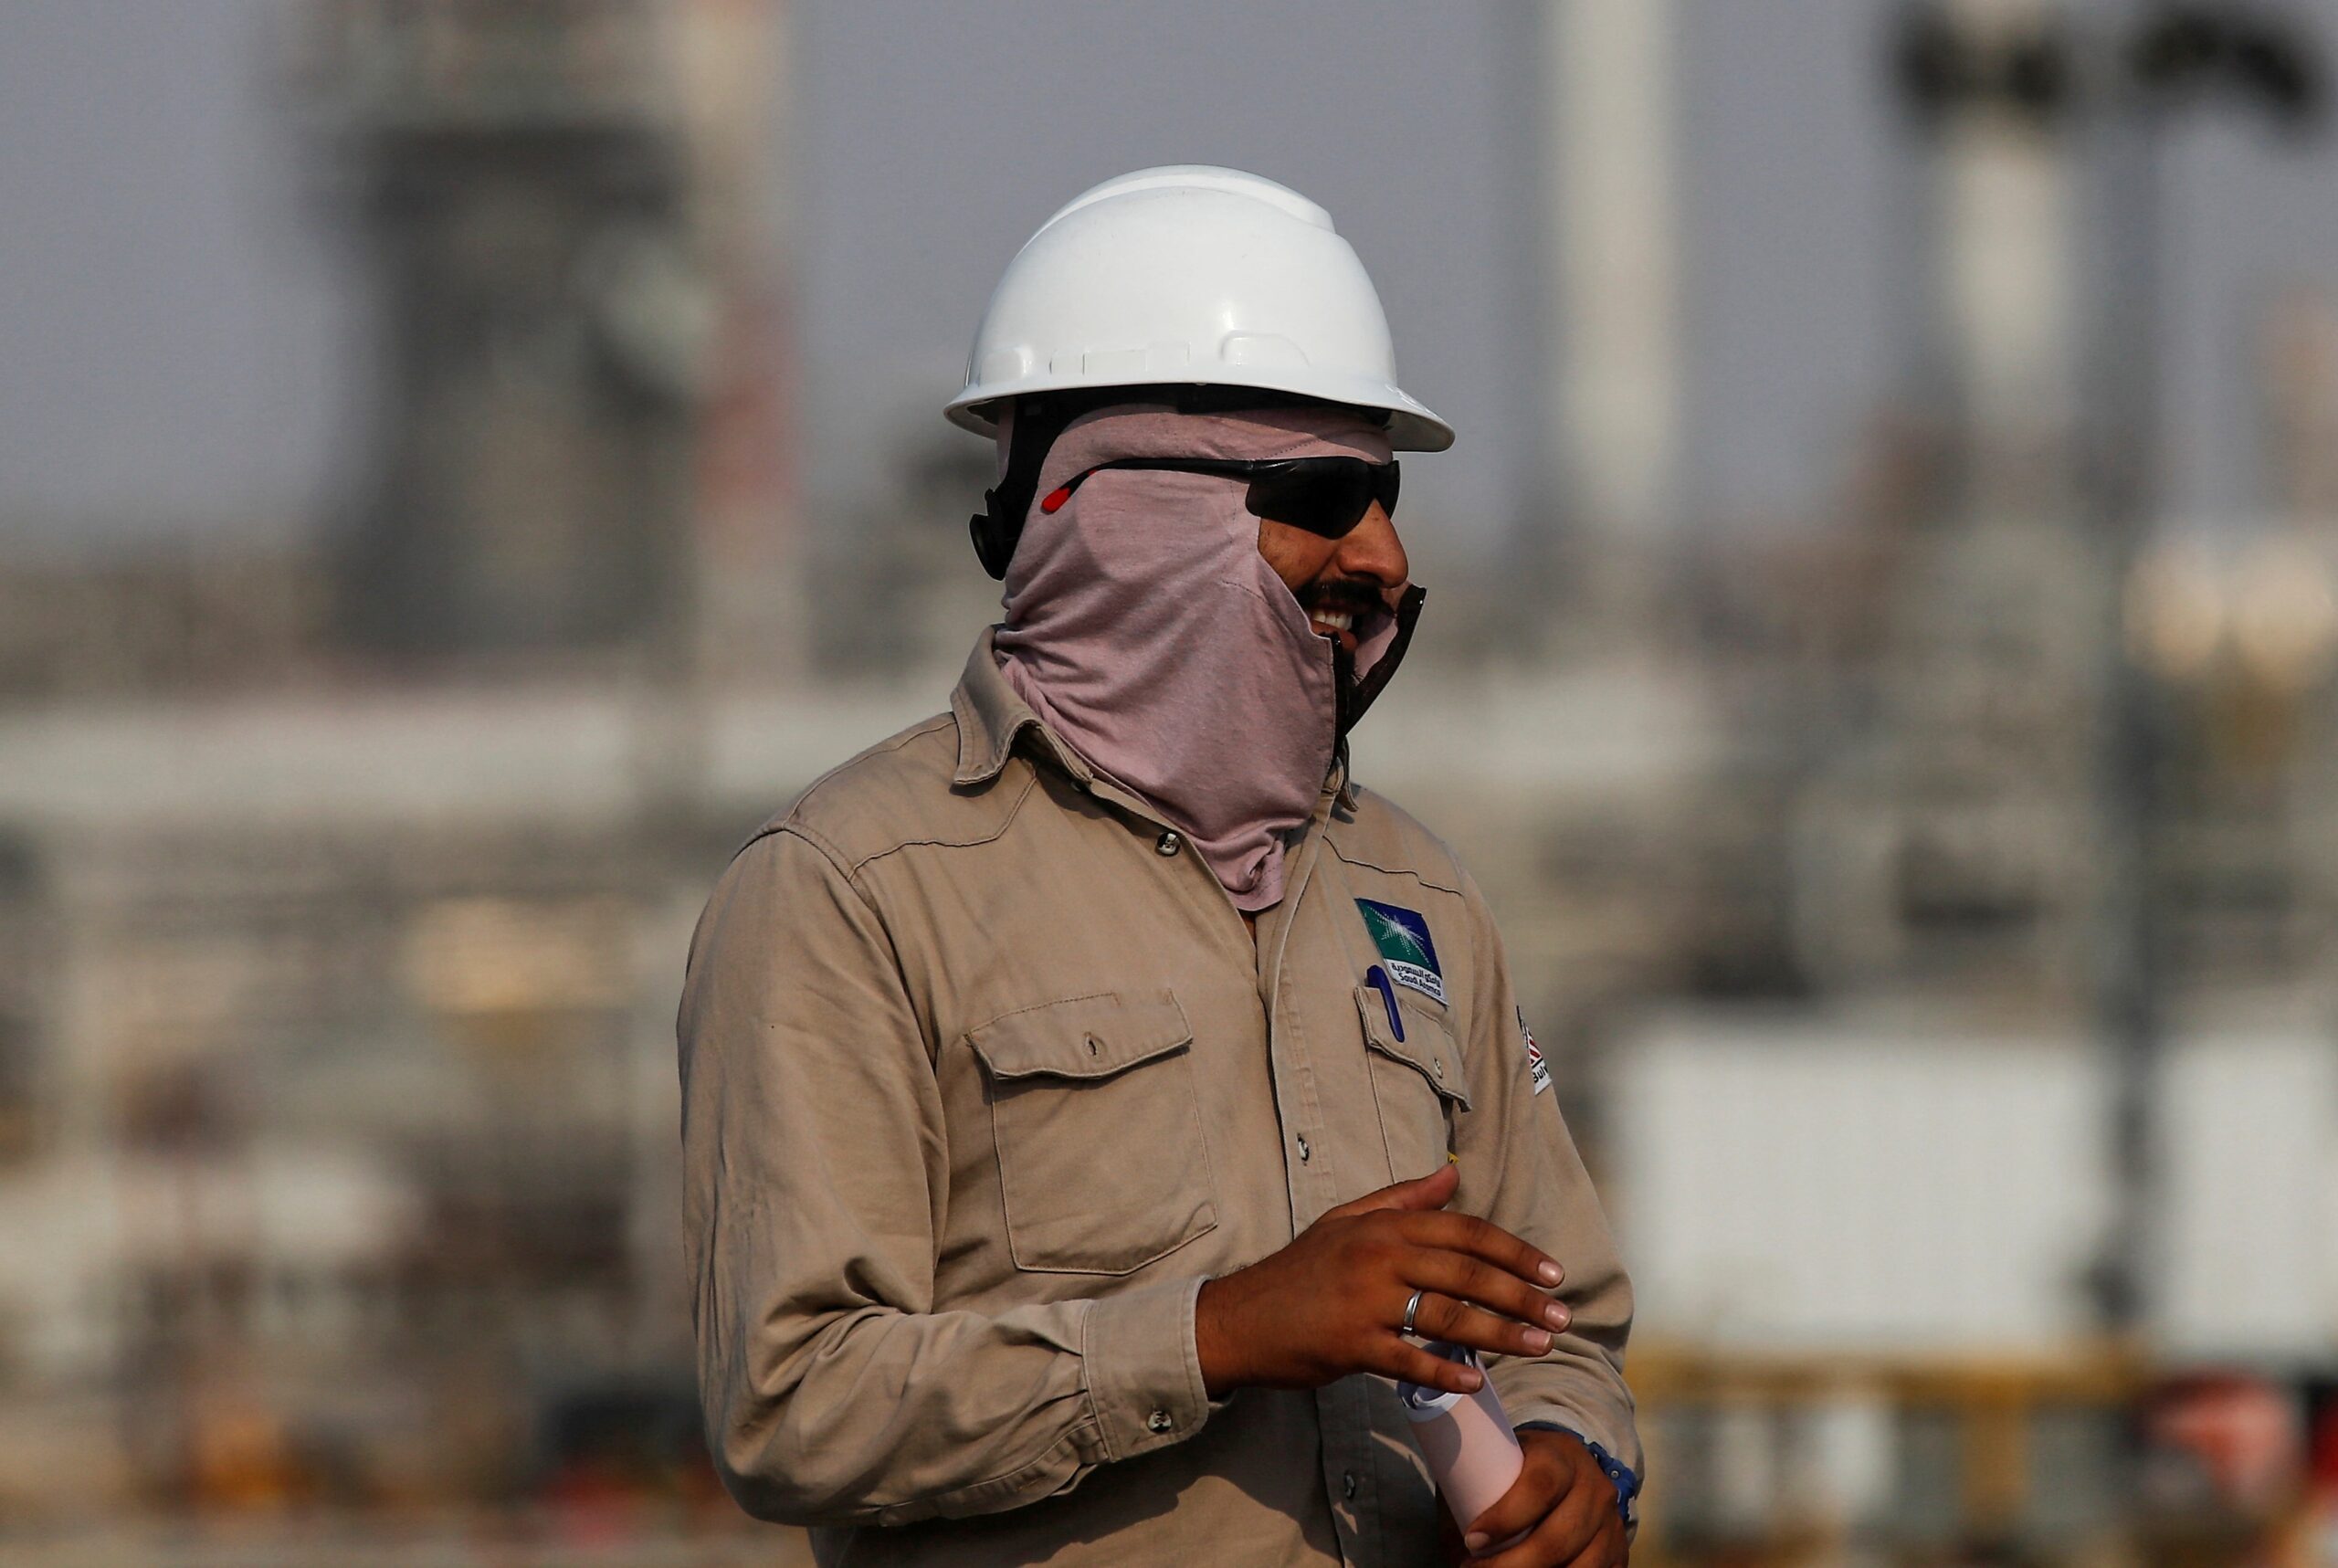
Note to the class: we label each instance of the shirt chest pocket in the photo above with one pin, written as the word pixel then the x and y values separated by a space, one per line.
pixel 1417 1081
pixel 1101 1162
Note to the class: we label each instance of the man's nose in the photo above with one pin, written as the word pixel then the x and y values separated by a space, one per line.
pixel 1372 550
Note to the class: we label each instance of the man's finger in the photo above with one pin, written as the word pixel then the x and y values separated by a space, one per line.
pixel 1432 1191
pixel 1483 1284
pixel 1443 1318
pixel 1567 1532
pixel 1604 1548
pixel 1537 1489
pixel 1408 1362
pixel 1481 1238
pixel 1541 1484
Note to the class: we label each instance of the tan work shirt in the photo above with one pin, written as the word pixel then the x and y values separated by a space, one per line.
pixel 982 1076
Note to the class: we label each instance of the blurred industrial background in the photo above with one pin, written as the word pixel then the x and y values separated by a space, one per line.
pixel 463 463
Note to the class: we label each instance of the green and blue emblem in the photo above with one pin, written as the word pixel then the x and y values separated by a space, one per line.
pixel 1405 948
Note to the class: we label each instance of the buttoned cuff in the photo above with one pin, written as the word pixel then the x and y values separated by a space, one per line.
pixel 1144 1374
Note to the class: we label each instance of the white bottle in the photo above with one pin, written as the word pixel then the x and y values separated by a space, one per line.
pixel 1473 1456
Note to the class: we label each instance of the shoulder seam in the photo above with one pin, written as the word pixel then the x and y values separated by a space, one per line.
pixel 1004 822
pixel 1452 887
pixel 820 846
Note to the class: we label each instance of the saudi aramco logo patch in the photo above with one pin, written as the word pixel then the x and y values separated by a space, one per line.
pixel 1402 936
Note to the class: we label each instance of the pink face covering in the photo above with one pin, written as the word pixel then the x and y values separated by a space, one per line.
pixel 1145 629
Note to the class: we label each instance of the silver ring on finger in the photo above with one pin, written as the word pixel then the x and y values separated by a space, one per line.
pixel 1412 1309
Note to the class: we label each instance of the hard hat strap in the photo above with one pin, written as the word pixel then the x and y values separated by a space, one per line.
pixel 1353 696
pixel 996 527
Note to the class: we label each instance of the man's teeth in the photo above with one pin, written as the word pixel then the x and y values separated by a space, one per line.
pixel 1338 620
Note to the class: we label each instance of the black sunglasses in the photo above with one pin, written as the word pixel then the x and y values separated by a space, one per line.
pixel 1325 496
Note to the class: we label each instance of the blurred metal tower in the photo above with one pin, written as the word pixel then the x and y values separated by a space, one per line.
pixel 1945 844
pixel 2178 55
pixel 517 173
pixel 2057 80
pixel 1612 347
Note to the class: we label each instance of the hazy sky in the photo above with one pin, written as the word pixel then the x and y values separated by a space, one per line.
pixel 179 351
pixel 173 345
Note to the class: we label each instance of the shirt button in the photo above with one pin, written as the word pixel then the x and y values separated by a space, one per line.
pixel 1303 1149
pixel 1158 1421
pixel 1168 844
pixel 1347 1485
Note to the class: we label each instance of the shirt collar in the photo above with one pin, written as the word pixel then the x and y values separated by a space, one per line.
pixel 991 715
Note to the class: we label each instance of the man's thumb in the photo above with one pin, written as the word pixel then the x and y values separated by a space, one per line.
pixel 1432 1191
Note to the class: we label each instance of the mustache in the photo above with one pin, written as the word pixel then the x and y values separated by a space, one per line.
pixel 1357 598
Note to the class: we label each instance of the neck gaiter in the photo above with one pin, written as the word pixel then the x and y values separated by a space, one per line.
pixel 1145 629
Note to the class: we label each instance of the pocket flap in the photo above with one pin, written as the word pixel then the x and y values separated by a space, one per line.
pixel 1427 1047
pixel 1082 1036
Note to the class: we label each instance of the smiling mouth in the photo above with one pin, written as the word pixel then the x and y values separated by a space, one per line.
pixel 1339 626
pixel 1334 610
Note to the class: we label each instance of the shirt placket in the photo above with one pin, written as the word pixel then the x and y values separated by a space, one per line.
pixel 1344 1414
pixel 1342 1411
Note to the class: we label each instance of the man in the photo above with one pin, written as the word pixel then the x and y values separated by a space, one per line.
pixel 1086 1091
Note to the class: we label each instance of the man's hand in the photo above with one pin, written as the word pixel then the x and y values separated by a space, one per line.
pixel 1332 1302
pixel 1561 1502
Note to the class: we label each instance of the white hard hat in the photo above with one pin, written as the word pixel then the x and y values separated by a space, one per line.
pixel 1193 275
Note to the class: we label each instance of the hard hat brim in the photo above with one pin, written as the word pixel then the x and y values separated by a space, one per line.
pixel 1413 425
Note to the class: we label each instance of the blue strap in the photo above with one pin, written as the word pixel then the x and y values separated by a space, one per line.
pixel 1620 1475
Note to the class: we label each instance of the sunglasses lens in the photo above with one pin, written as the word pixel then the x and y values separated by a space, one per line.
pixel 1326 496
